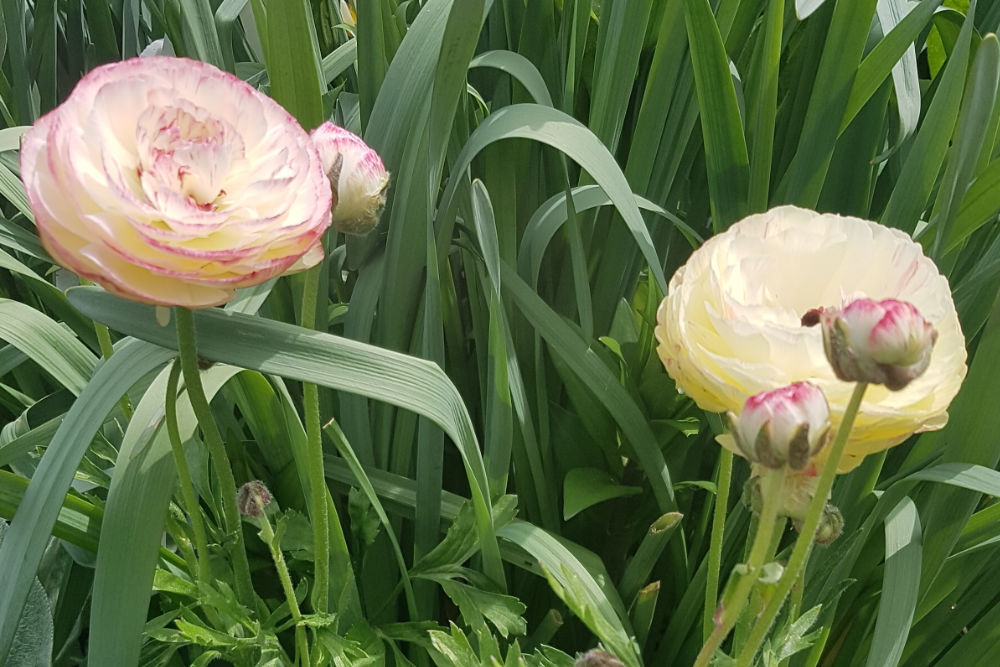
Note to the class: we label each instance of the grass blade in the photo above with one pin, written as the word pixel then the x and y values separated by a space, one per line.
pixel 900 587
pixel 338 363
pixel 28 534
pixel 721 124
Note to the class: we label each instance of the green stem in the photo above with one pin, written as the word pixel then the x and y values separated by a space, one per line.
pixel 176 525
pixel 732 605
pixel 722 484
pixel 756 603
pixel 301 648
pixel 794 605
pixel 216 449
pixel 797 561
pixel 191 506
pixel 107 349
pixel 314 455
pixel 104 340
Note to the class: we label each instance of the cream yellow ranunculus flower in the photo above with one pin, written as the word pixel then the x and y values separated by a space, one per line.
pixel 731 324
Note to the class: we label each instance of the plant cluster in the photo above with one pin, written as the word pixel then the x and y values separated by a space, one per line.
pixel 499 332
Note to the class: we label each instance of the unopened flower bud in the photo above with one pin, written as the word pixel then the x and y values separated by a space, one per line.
pixel 252 498
pixel 831 525
pixel 786 426
pixel 597 658
pixel 347 14
pixel 797 491
pixel 882 342
pixel 357 175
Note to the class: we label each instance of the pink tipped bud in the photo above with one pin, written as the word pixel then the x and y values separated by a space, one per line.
pixel 357 175
pixel 252 498
pixel 786 426
pixel 883 342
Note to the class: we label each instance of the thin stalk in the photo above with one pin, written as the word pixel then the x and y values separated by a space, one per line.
pixel 176 525
pixel 756 604
pixel 202 560
pixel 301 647
pixel 733 604
pixel 314 456
pixel 797 561
pixel 217 450
pixel 722 484
pixel 794 605
pixel 107 349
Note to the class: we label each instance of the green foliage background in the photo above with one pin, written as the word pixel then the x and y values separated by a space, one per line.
pixel 553 162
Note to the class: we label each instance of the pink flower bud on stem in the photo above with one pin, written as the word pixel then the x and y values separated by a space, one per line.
pixel 884 342
pixel 357 176
pixel 252 498
pixel 787 426
pixel 816 515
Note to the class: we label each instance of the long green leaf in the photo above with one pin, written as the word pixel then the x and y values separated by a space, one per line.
pixel 342 364
pixel 900 586
pixel 971 437
pixel 199 24
pixel 519 67
pixel 926 155
pixel 842 53
pixel 570 347
pixel 974 115
pixel 619 45
pixel 560 561
pixel 553 127
pixel 47 343
pixel 294 69
pixel 885 58
pixel 721 124
pixel 28 534
pixel 132 530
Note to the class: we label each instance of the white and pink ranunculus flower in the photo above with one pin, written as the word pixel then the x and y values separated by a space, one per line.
pixel 170 182
pixel 883 342
pixel 785 426
pixel 731 324
pixel 358 177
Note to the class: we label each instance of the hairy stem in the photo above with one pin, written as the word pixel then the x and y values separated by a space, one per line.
pixel 797 561
pixel 217 451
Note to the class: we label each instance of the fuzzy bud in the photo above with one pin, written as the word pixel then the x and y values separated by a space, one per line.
pixel 597 658
pixel 831 525
pixel 786 426
pixel 882 342
pixel 252 498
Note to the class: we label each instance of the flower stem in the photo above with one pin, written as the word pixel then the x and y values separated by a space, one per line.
pixel 203 573
pixel 314 454
pixel 722 484
pixel 794 606
pixel 301 648
pixel 107 349
pixel 732 604
pixel 797 561
pixel 216 449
